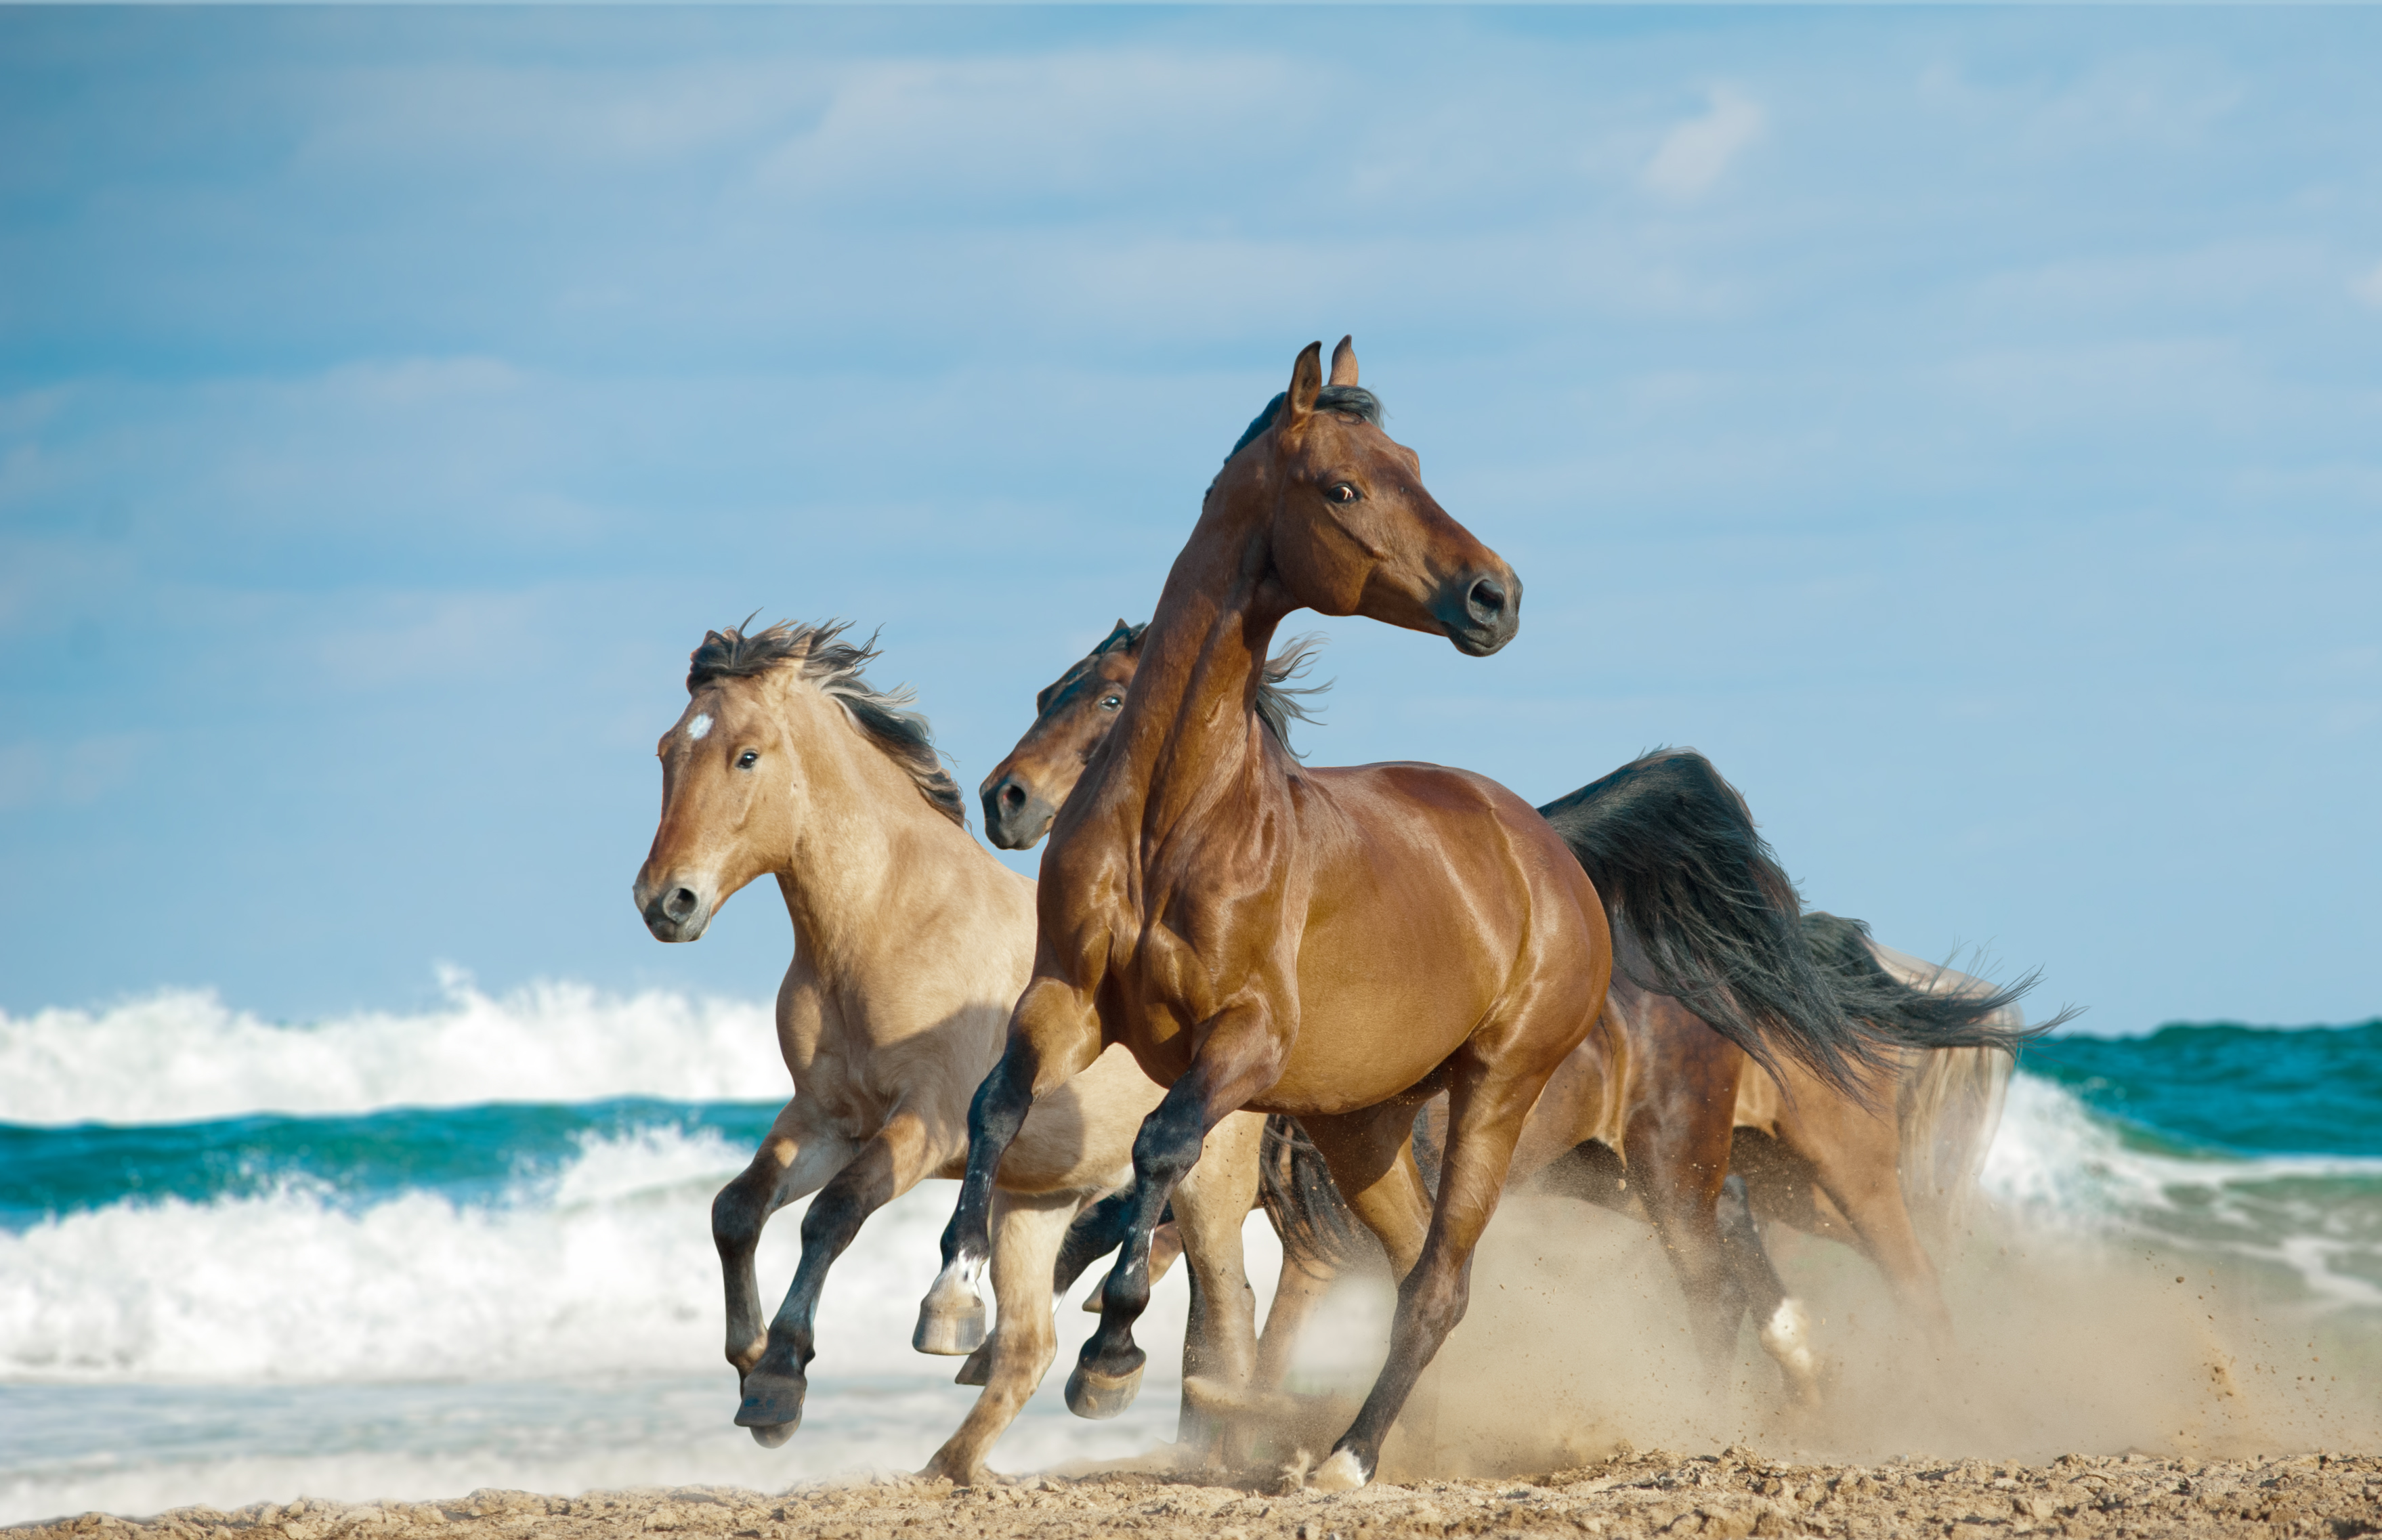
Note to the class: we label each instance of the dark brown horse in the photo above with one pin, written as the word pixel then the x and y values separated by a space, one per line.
pixel 1335 945
pixel 1655 1094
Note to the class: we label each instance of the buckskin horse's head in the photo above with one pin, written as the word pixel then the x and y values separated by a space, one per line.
pixel 1354 530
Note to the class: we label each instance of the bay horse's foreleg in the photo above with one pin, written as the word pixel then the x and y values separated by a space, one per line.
pixel 794 1160
pixel 1677 1174
pixel 1237 1058
pixel 1054 1035
pixel 1031 1227
pixel 887 1166
pixel 1487 1105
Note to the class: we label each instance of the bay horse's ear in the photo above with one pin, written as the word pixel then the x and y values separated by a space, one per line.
pixel 1344 362
pixel 1115 639
pixel 1305 385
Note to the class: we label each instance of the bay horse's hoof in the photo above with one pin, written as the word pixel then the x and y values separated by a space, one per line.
pixel 977 1370
pixel 1339 1473
pixel 951 1322
pixel 773 1403
pixel 774 1439
pixel 1096 1395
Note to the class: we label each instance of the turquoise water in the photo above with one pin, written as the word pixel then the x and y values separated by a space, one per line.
pixel 317 1281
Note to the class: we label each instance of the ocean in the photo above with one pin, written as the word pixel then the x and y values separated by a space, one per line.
pixel 406 1256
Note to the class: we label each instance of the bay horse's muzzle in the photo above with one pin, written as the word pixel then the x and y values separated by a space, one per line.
pixel 1480 610
pixel 1014 816
pixel 676 913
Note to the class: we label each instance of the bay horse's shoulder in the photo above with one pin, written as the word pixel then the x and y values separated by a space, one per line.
pixel 1419 780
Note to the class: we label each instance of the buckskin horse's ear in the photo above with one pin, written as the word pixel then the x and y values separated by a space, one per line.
pixel 1305 385
pixel 1344 362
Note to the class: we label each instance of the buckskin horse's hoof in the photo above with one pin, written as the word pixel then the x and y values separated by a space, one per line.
pixel 1093 1394
pixel 977 1370
pixel 773 1404
pixel 950 1323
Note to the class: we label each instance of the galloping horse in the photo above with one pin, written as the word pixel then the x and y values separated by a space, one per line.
pixel 1336 945
pixel 911 944
pixel 1640 1098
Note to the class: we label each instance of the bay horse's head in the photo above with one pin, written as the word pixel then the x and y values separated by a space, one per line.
pixel 1073 715
pixel 779 728
pixel 1354 531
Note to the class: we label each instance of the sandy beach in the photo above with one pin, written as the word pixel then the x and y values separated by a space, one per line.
pixel 1731 1493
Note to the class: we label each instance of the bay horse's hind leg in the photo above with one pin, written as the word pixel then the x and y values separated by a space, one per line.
pixel 888 1165
pixel 1778 1317
pixel 1487 1105
pixel 1236 1058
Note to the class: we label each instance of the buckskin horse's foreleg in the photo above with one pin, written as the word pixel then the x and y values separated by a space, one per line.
pixel 1054 1035
pixel 888 1165
pixel 1237 1058
pixel 1210 1205
pixel 1487 1105
pixel 1032 1228
pixel 796 1158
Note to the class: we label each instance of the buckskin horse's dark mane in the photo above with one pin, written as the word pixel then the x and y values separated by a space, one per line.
pixel 883 716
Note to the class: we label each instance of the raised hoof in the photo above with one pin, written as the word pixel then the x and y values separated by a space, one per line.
pixel 772 1401
pixel 1097 1396
pixel 949 1328
pixel 1339 1473
pixel 775 1437
pixel 977 1370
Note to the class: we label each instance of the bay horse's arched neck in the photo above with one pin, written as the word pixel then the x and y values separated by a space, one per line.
pixel 1190 721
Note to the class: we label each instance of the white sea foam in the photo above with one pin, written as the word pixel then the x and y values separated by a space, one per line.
pixel 183 1055
pixel 2055 1163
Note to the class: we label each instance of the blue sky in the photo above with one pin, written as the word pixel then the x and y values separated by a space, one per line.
pixel 1964 425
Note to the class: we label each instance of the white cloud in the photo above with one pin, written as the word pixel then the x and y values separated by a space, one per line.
pixel 1696 154
pixel 2368 287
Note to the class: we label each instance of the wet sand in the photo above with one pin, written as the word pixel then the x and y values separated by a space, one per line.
pixel 1729 1494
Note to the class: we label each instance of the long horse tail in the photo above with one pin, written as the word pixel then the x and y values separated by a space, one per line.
pixel 1949 1101
pixel 1319 1230
pixel 1701 912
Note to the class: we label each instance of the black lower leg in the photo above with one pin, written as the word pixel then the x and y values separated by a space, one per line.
pixel 994 1118
pixel 775 1387
pixel 1167 1147
pixel 1432 1300
pixel 1096 1231
pixel 1758 1288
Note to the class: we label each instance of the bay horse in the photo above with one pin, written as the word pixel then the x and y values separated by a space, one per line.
pixel 1335 945
pixel 911 944
pixel 1641 1095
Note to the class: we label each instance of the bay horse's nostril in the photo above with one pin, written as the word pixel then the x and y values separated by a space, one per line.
pixel 1486 600
pixel 1012 797
pixel 680 903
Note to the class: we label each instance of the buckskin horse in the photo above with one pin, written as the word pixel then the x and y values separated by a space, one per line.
pixel 911 944
pixel 1334 945
pixel 1643 1095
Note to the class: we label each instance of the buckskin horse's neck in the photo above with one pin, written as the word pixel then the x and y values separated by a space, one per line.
pixel 1190 727
pixel 867 840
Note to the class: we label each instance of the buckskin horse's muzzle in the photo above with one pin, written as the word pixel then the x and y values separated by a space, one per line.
pixel 674 912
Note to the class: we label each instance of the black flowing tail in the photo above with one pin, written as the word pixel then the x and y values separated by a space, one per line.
pixel 1701 911
pixel 1319 1230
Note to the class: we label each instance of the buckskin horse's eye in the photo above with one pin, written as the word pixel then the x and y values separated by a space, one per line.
pixel 1341 492
pixel 748 759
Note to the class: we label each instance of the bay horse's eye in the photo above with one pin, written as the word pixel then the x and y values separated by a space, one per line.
pixel 1341 492
pixel 748 759
pixel 1110 702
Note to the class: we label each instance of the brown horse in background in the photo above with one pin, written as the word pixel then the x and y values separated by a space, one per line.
pixel 1336 945
pixel 1641 1096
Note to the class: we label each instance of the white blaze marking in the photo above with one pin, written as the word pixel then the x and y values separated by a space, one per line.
pixel 700 726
